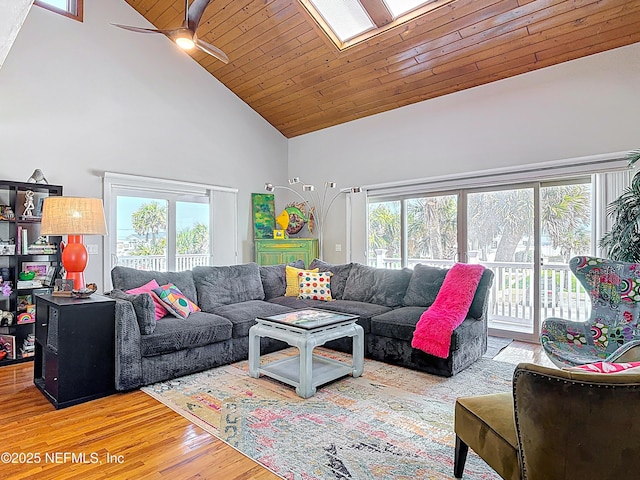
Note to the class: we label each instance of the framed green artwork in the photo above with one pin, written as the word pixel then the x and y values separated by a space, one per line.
pixel 264 214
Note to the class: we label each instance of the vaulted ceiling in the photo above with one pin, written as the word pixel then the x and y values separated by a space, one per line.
pixel 285 68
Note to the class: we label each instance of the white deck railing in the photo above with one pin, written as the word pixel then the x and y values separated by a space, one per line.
pixel 158 263
pixel 511 297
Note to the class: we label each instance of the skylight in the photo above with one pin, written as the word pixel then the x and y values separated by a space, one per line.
pixel 346 18
pixel 348 22
pixel 398 7
pixel 61 4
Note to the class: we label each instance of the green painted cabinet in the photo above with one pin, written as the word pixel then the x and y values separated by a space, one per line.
pixel 275 252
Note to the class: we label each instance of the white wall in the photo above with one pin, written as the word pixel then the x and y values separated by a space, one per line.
pixel 584 107
pixel 78 99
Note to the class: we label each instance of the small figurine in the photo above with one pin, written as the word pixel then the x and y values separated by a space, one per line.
pixel 6 319
pixel 37 177
pixel 6 213
pixel 28 203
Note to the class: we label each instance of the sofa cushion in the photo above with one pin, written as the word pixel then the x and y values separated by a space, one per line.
pixel 339 278
pixel 174 334
pixel 400 324
pixel 291 277
pixel 376 285
pixel 273 279
pixel 364 310
pixel 243 315
pixel 294 303
pixel 143 306
pixel 424 285
pixel 226 285
pixel 315 286
pixel 125 278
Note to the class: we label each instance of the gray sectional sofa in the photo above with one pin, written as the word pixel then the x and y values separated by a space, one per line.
pixel 389 303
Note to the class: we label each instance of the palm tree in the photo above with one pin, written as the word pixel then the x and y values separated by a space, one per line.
pixel 622 242
pixel 565 213
pixel 150 218
pixel 193 240
pixel 505 216
pixel 384 228
pixel 432 227
pixel 151 249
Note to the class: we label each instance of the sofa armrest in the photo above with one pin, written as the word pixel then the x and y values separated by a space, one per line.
pixel 480 305
pixel 128 361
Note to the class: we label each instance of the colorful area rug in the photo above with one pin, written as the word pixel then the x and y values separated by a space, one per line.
pixel 390 423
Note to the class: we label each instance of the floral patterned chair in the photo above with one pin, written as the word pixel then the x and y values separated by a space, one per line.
pixel 612 333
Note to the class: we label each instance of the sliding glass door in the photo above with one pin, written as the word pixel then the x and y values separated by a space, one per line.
pixel 524 233
pixel 566 217
pixel 501 235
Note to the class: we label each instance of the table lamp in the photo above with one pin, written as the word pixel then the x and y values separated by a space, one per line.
pixel 74 217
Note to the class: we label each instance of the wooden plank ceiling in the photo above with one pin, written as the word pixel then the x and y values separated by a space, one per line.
pixel 285 68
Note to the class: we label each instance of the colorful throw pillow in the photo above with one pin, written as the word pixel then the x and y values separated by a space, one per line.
pixel 315 286
pixel 174 301
pixel 606 367
pixel 160 311
pixel 293 284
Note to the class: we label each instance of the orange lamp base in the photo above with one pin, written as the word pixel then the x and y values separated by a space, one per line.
pixel 74 260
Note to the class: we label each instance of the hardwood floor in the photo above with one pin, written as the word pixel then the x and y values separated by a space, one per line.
pixel 127 435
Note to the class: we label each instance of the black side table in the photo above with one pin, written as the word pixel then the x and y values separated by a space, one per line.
pixel 74 348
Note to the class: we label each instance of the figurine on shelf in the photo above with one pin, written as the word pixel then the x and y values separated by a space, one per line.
pixel 6 319
pixel 6 289
pixel 6 213
pixel 28 203
pixel 37 177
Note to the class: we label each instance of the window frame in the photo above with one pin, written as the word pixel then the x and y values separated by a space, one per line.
pixel 379 14
pixel 75 9
pixel 590 170
pixel 223 214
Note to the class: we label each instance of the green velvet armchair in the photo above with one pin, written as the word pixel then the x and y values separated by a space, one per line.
pixel 555 425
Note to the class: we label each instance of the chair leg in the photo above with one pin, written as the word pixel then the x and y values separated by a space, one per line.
pixel 460 457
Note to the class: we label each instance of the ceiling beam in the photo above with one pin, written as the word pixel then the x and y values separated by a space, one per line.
pixel 378 12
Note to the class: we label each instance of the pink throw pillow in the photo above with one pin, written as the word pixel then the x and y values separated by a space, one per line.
pixel 148 288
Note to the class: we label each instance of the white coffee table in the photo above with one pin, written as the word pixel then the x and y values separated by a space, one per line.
pixel 306 329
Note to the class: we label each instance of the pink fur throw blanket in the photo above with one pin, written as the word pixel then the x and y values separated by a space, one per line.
pixel 436 325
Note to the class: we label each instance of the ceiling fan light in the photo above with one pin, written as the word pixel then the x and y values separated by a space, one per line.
pixel 185 43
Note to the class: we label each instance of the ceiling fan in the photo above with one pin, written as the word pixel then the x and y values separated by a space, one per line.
pixel 185 36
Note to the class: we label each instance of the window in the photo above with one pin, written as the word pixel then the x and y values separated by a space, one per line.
pixel 349 22
pixel 525 233
pixel 347 19
pixel 165 225
pixel 68 8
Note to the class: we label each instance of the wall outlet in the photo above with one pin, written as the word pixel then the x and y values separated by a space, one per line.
pixel 338 247
pixel 92 249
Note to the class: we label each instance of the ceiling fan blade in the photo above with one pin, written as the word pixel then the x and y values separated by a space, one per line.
pixel 194 14
pixel 140 29
pixel 211 50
